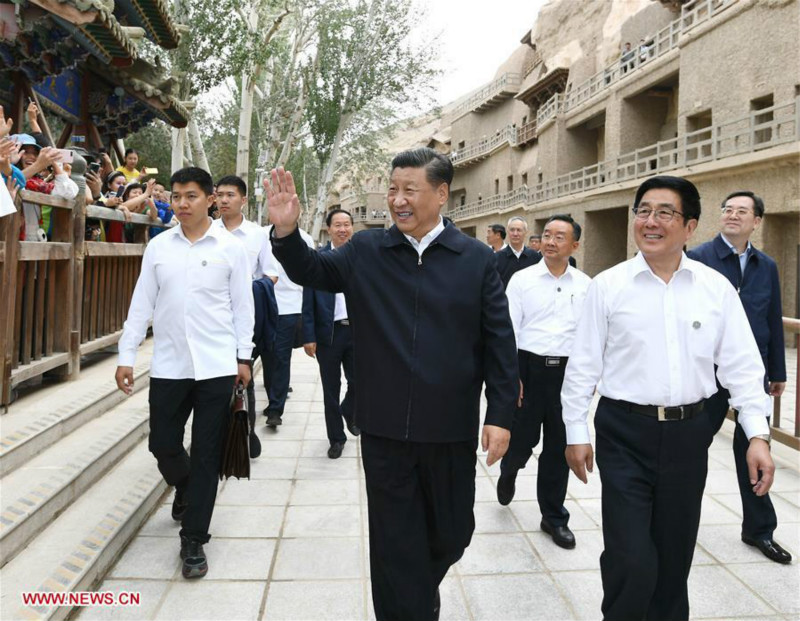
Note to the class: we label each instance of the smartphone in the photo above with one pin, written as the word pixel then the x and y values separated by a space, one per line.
pixel 67 156
pixel 94 167
pixel 150 171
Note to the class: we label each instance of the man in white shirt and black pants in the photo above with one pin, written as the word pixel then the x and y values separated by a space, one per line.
pixel 195 286
pixel 545 302
pixel 651 331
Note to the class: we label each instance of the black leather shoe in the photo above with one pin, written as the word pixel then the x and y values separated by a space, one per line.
pixel 335 451
pixel 562 536
pixel 195 564
pixel 179 504
pixel 770 549
pixel 274 419
pixel 353 429
pixel 437 606
pixel 506 487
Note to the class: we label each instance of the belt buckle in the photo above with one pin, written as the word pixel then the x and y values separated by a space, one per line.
pixel 669 413
pixel 552 361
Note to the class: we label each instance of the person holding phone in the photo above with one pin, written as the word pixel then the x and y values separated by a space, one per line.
pixel 129 167
pixel 650 334
pixel 195 286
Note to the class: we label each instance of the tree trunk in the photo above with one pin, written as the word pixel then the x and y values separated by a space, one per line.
pixel 245 122
pixel 177 148
pixel 326 175
pixel 196 143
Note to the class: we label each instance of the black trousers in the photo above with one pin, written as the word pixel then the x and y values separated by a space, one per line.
pixel 541 407
pixel 420 498
pixel 171 402
pixel 278 364
pixel 653 475
pixel 332 357
pixel 759 518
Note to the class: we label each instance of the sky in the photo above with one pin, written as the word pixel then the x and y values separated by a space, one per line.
pixel 477 36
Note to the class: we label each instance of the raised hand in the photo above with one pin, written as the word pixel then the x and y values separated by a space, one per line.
pixel 282 202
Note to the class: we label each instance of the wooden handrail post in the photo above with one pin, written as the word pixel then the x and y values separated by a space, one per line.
pixel 78 240
pixel 9 233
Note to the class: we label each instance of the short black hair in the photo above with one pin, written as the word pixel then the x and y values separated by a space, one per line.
pixel 130 188
pixel 190 174
pixel 109 178
pixel 758 202
pixel 539 237
pixel 438 167
pixel 333 212
pixel 690 197
pixel 235 181
pixel 498 228
pixel 129 151
pixel 562 217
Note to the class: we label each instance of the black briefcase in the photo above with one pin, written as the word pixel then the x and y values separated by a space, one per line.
pixel 235 450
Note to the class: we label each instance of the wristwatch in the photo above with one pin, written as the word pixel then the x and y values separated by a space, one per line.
pixel 764 436
pixel 247 361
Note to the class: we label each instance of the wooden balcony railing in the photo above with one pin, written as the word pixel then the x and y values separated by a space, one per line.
pixel 62 298
pixel 792 326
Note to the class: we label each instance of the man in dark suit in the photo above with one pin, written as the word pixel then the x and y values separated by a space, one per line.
pixel 755 277
pixel 496 237
pixel 327 336
pixel 430 327
pixel 515 256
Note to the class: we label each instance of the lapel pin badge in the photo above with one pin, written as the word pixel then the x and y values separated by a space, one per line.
pixel 696 325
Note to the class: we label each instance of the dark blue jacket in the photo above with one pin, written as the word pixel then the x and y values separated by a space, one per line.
pixel 760 293
pixel 508 264
pixel 427 331
pixel 318 310
pixel 266 315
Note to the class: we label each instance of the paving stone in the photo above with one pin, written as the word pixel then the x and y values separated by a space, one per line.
pixel 307 601
pixel 319 559
pixel 309 492
pixel 713 512
pixel 255 492
pixel 524 597
pixel 319 448
pixel 150 593
pixel 161 523
pixel 279 447
pixel 583 590
pixel 212 599
pixel 714 592
pixel 273 467
pixel 491 517
pixel 320 468
pixel 239 559
pixel 454 606
pixel 778 584
pixel 585 555
pixel 149 557
pixel 498 554
pixel 255 522
pixel 530 517
pixel 323 521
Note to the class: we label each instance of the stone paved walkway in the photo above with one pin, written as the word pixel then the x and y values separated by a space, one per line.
pixel 292 543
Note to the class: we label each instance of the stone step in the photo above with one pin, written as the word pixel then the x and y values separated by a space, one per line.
pixel 75 550
pixel 42 418
pixel 38 491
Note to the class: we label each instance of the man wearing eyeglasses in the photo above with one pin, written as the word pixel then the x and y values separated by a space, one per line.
pixel 755 277
pixel 545 302
pixel 650 334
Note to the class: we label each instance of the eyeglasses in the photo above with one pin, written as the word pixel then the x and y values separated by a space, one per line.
pixel 663 214
pixel 739 211
pixel 558 238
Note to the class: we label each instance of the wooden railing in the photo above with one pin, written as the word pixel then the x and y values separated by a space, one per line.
pixel 62 298
pixel 792 326
pixel 758 130
pixel 692 14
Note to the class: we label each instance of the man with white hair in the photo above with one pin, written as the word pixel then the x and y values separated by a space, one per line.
pixel 515 256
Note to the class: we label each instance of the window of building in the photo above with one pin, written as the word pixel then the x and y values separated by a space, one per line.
pixel 463 200
pixel 524 178
pixel 698 126
pixel 762 121
pixel 461 145
pixel 497 186
pixel 539 178
pixel 509 183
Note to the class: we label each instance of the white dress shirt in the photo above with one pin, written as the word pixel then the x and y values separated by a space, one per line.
pixel 642 340
pixel 426 240
pixel 200 298
pixel 516 254
pixel 545 309
pixel 742 257
pixel 255 241
pixel 289 295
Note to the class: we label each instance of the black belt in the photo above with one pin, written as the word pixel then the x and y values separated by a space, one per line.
pixel 662 413
pixel 547 361
pixel 342 322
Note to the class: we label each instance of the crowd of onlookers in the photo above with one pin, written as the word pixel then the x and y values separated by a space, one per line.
pixel 30 161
